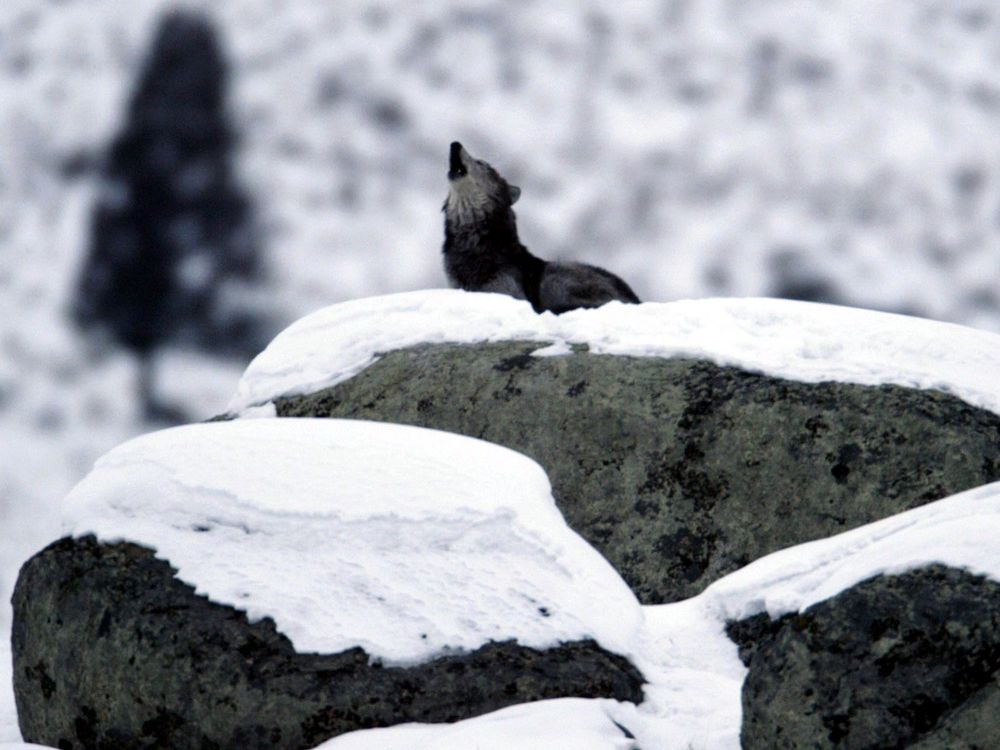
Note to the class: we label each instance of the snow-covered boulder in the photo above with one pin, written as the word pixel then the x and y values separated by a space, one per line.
pixel 380 574
pixel 683 440
pixel 696 678
pixel 290 540
pixel 275 583
pixel 910 660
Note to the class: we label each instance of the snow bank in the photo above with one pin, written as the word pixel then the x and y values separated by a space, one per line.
pixel 570 723
pixel 330 526
pixel 794 340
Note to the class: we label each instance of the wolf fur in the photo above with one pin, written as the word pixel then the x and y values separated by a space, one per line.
pixel 482 252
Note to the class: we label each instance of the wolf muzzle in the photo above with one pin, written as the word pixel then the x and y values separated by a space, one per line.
pixel 456 167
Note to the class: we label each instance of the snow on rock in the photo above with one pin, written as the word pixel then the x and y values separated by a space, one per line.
pixel 693 701
pixel 330 526
pixel 959 531
pixel 694 670
pixel 795 340
pixel 570 723
pixel 405 541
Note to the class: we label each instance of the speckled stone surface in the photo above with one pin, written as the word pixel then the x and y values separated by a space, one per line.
pixel 111 651
pixel 680 471
pixel 907 661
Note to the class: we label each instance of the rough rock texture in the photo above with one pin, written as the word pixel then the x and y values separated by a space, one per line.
pixel 908 661
pixel 111 651
pixel 680 471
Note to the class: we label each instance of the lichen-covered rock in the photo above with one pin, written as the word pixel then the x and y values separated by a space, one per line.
pixel 680 471
pixel 907 661
pixel 111 651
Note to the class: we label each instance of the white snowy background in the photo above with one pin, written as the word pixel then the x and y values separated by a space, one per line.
pixel 696 147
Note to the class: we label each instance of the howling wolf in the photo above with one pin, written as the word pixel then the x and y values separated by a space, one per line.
pixel 482 252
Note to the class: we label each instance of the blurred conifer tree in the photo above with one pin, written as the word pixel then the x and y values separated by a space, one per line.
pixel 172 244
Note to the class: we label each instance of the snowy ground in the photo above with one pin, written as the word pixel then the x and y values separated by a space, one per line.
pixel 565 724
pixel 448 542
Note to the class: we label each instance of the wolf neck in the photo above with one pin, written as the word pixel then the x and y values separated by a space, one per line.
pixel 477 250
pixel 492 232
pixel 478 253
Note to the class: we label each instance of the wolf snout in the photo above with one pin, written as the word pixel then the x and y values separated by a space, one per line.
pixel 456 163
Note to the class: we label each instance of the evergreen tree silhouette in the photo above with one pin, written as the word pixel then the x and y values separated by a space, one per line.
pixel 171 231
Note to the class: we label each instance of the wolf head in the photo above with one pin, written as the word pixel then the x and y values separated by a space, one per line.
pixel 475 189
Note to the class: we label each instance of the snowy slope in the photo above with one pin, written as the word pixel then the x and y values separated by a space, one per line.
pixel 414 529
pixel 796 340
pixel 709 148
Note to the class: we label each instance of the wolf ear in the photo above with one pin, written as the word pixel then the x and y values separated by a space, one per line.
pixel 515 193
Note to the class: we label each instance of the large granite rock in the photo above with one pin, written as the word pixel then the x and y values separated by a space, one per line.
pixel 111 651
pixel 680 471
pixel 908 661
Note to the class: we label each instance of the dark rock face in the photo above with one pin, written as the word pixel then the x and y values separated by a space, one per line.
pixel 908 661
pixel 110 651
pixel 680 471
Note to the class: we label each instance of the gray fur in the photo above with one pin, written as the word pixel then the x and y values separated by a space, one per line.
pixel 482 251
pixel 505 283
pixel 566 286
